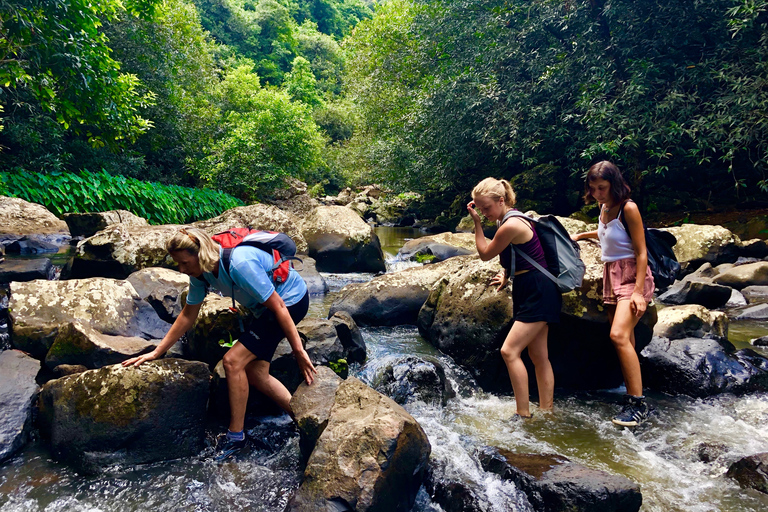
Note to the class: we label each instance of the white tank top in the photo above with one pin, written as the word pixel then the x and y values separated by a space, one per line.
pixel 615 243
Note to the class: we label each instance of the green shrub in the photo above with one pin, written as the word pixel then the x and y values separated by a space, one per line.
pixel 88 192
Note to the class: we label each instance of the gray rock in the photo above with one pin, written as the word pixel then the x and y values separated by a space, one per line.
pixel 751 472
pixel 316 284
pixel 762 341
pixel 21 217
pixel 340 241
pixel 88 224
pixel 68 369
pixel 755 294
pixel 79 344
pixel 452 491
pixel 25 269
pixel 704 273
pixel 371 456
pixel 701 367
pixel 164 289
pixel 691 321
pixel 737 299
pixel 701 292
pixel 411 378
pixel 553 483
pixel 350 336
pixel 754 312
pixel 31 244
pixel 215 324
pixel 754 248
pixel 445 244
pixel 311 406
pixel 751 274
pixel 18 390
pixel 126 415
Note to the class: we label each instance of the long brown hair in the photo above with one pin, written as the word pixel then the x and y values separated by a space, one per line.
pixel 607 171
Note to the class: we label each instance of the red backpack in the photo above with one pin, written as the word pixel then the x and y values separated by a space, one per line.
pixel 279 245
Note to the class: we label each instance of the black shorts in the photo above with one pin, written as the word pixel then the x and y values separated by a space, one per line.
pixel 263 334
pixel 535 298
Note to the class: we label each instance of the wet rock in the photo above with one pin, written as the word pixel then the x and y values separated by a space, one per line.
pixel 737 299
pixel 754 312
pixel 442 246
pixel 63 370
pixel 700 292
pixel 342 242
pixel 126 415
pixel 257 216
pixel 754 248
pixel 751 274
pixel 215 324
pixel 311 406
pixel 20 217
pixel 18 391
pixel 78 344
pixel 701 367
pixel 453 492
pixel 704 273
pixel 709 452
pixel 121 249
pixel 31 245
pixel 39 308
pixel 394 298
pixel 371 456
pixel 350 336
pixel 412 378
pixel 751 472
pixel 762 341
pixel 691 321
pixel 162 288
pixel 316 284
pixel 697 244
pixel 553 483
pixel 24 270
pixel 755 294
pixel 88 224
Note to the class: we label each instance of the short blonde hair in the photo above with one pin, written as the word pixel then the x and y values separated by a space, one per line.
pixel 493 188
pixel 197 243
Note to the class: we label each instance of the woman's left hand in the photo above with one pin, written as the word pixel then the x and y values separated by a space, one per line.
pixel 306 367
pixel 638 304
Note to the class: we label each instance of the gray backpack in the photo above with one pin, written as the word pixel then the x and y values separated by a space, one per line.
pixel 563 255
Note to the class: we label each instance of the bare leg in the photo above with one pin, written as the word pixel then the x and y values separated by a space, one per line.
pixel 623 337
pixel 235 361
pixel 259 377
pixel 520 336
pixel 545 378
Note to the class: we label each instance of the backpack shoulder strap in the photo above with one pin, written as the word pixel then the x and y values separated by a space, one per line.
pixel 515 213
pixel 623 220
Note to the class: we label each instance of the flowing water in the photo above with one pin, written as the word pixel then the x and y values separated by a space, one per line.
pixel 665 455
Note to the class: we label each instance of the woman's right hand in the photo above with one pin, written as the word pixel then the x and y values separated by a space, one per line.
pixel 136 361
pixel 471 209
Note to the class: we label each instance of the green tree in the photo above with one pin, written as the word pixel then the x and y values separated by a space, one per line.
pixel 301 84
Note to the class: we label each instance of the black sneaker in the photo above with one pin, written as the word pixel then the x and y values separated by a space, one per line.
pixel 634 412
pixel 229 448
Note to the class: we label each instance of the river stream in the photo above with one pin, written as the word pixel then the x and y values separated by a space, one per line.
pixel 665 455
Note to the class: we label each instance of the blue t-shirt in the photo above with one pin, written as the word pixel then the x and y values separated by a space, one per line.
pixel 248 267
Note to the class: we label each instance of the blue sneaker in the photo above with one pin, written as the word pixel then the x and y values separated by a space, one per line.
pixel 634 412
pixel 230 448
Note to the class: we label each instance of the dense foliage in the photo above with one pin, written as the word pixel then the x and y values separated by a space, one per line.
pixel 85 192
pixel 674 92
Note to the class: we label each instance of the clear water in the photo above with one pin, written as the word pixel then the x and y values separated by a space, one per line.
pixel 663 455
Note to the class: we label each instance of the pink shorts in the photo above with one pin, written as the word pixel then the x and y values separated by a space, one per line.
pixel 619 281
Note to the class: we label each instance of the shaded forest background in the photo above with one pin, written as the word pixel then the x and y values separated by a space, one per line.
pixel 424 96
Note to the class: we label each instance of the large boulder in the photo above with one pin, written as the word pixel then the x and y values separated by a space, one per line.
pixel 163 288
pixel 39 308
pixel 340 241
pixel 78 344
pixel 257 216
pixel 25 269
pixel 554 484
pixel 701 367
pixel 307 268
pixel 311 406
pixel 697 291
pixel 371 456
pixel 691 321
pixel 18 390
pixel 413 378
pixel 741 276
pixel 752 312
pixel 468 319
pixel 215 325
pixel 88 224
pixel 697 244
pixel 126 415
pixel 121 249
pixel 21 217
pixel 751 472
pixel 442 246
pixel 394 298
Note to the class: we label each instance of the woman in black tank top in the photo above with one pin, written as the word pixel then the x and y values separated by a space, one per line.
pixel 536 299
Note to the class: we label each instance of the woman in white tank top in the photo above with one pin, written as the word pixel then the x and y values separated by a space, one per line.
pixel 627 282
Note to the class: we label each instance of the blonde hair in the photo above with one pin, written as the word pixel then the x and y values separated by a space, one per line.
pixel 493 188
pixel 197 243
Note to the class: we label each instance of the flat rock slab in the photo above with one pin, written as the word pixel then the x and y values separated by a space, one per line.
pixel 554 484
pixel 755 294
pixel 25 269
pixel 126 415
pixel 18 390
pixel 741 276
pixel 756 312
pixel 700 292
